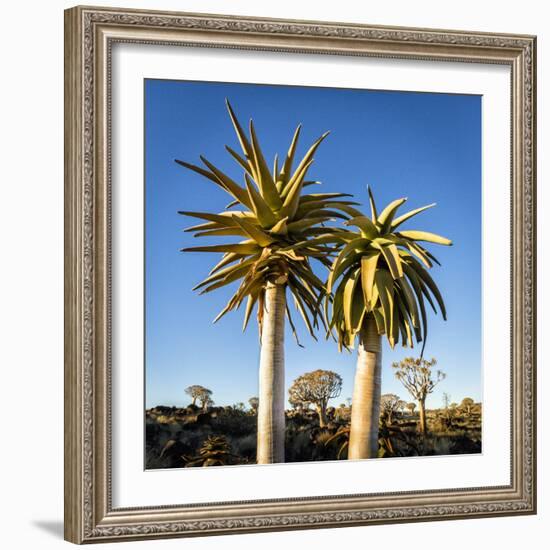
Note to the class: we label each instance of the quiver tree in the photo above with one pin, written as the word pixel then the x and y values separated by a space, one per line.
pixel 195 392
pixel 389 404
pixel 467 405
pixel 411 407
pixel 206 399
pixel 381 283
pixel 419 380
pixel 298 404
pixel 254 402
pixel 316 387
pixel 401 406
pixel 278 226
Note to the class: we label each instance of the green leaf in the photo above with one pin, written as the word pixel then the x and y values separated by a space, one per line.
pixel 358 310
pixel 243 140
pixel 419 287
pixel 228 184
pixel 287 166
pixel 405 325
pixel 379 319
pixel 349 289
pixel 412 308
pixel 402 219
pixel 222 273
pixel 391 255
pixel 249 308
pixel 368 270
pixel 265 181
pixel 262 238
pixel 386 217
pixel 308 157
pixel 419 252
pixel 357 245
pixel 313 197
pixel 275 167
pixel 198 170
pixel 292 326
pixel 228 258
pixel 384 282
pixel 280 228
pixel 430 283
pixel 321 239
pixel 240 248
pixel 222 232
pixel 300 225
pixel 222 219
pixel 374 213
pixel 292 199
pixel 299 303
pixel 323 212
pixel 425 236
pixel 265 215
pixel 368 229
pixel 240 160
pixel 237 273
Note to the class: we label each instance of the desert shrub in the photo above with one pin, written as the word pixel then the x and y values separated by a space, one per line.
pixel 298 446
pixel 465 445
pixel 173 432
pixel 245 446
pixel 235 423
pixel 214 451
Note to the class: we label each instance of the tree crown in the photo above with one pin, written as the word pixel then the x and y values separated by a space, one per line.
pixel 315 387
pixel 382 273
pixel 417 376
pixel 279 226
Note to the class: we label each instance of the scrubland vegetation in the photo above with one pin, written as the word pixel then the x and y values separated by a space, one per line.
pixel 178 437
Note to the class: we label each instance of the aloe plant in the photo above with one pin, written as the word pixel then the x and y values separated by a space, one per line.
pixel 278 226
pixel 382 284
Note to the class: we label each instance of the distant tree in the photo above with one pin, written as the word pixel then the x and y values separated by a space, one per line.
pixel 446 400
pixel 401 406
pixel 195 392
pixel 348 401
pixel 254 402
pixel 297 404
pixel 316 387
pixel 419 380
pixel 466 405
pixel 207 401
pixel 389 404
pixel 411 407
pixel 240 406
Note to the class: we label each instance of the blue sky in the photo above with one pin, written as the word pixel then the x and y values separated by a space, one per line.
pixel 426 147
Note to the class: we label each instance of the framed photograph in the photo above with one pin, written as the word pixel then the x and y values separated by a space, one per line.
pixel 300 274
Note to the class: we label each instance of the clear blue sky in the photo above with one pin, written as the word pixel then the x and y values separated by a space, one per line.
pixel 426 147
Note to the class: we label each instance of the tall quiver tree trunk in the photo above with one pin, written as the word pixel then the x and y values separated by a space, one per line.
pixel 365 406
pixel 422 416
pixel 322 412
pixel 271 408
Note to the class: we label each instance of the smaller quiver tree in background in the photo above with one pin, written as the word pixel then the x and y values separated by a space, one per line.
pixel 420 380
pixel 316 387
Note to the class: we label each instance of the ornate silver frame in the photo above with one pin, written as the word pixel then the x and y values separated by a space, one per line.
pixel 89 35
